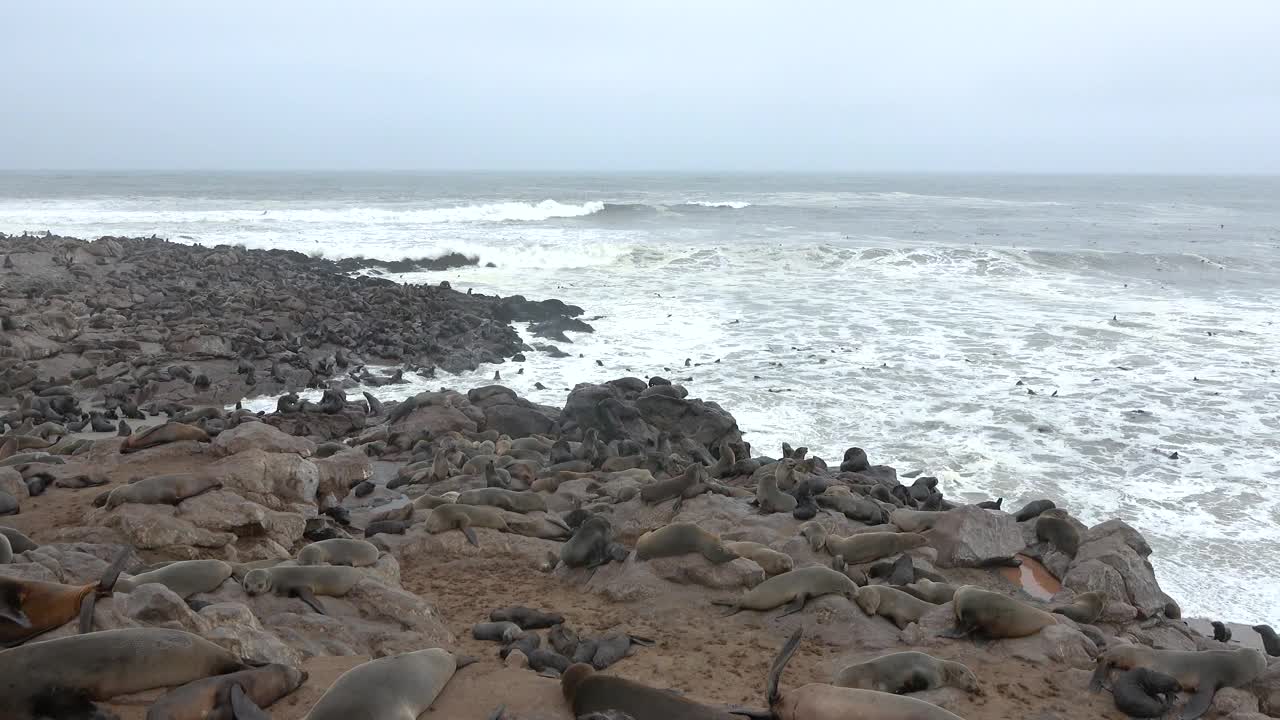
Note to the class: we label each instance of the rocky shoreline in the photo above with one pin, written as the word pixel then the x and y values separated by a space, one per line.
pixel 624 515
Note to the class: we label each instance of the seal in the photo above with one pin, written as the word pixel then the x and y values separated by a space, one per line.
pixel 899 607
pixel 588 691
pixel 899 572
pixel 185 577
pixel 6 551
pixel 210 698
pixel 772 561
pixel 401 687
pixel 819 701
pixel 1144 693
pixel 769 496
pixel 339 551
pixel 613 647
pixel 505 631
pixel 162 490
pixel 465 517
pixel 1058 532
pixel 161 435
pixel 681 539
pixel 793 589
pixel 1221 632
pixel 1086 608
pixel 1203 672
pixel 915 521
pixel 907 672
pixel 512 500
pixel 1270 641
pixel 937 593
pixel 526 618
pixel 685 485
pixel 303 582
pixel 8 504
pixel 104 664
pixel 866 547
pixel 29 608
pixel 1033 510
pixel 592 545
pixel 815 533
pixel 995 615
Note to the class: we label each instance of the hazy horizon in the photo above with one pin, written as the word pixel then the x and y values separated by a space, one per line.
pixel 1145 88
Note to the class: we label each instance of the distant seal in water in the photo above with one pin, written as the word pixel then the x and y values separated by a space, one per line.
pixel 588 691
pixel 210 698
pixel 907 672
pixel 682 539
pixel 464 518
pixel 772 561
pixel 1033 509
pixel 995 615
pixel 592 545
pixel 1085 608
pixel 161 435
pixel 185 577
pixel 1270 641
pixel 793 589
pixel 1202 672
pixel 1058 532
pixel 820 701
pixel 162 490
pixel 898 607
pixel 400 687
pixel 29 608
pixel 339 551
pixel 526 618
pixel 866 547
pixel 1221 632
pixel 303 582
pixel 106 664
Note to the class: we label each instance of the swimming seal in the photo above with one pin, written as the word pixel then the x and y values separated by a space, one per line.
pixel 339 551
pixel 898 607
pixel 793 589
pixel 185 577
pixel 1086 608
pixel 907 672
pixel 995 615
pixel 390 688
pixel 819 701
pixel 1144 693
pixel 453 516
pixel 162 490
pixel 303 582
pixel 210 698
pixel 162 435
pixel 772 561
pixel 866 547
pixel 1203 672
pixel 592 545
pixel 591 692
pixel 105 664
pixel 29 608
pixel 682 539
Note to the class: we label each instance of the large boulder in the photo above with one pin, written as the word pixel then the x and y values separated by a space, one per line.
pixel 618 411
pixel 342 471
pixel 970 536
pixel 275 480
pixel 12 483
pixel 517 421
pixel 157 527
pixel 1113 559
pixel 155 604
pixel 234 626
pixel 223 510
pixel 260 436
pixel 436 413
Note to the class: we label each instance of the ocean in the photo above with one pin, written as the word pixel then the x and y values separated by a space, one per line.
pixel 896 313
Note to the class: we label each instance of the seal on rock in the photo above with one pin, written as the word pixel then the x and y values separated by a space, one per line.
pixel 1058 532
pixel 898 607
pixel 1270 641
pixel 772 561
pixel 592 545
pixel 907 672
pixel 512 500
pixel 937 593
pixel 995 615
pixel 339 551
pixel 681 539
pixel 793 589
pixel 401 687
pixel 1144 693
pixel 210 698
pixel 162 490
pixel 526 618
pixel 1086 608
pixel 162 435
pixel 453 516
pixel 303 582
pixel 1203 672
pixel 1221 632
pixel 769 495
pixel 866 547
pixel 29 608
pixel 185 577
pixel 682 486
pixel 1033 509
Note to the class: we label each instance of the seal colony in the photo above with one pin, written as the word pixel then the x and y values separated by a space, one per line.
pixel 586 555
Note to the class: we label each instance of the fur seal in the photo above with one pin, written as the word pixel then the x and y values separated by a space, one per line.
pixel 504 631
pixel 819 701
pixel 1221 632
pixel 161 435
pixel 1058 532
pixel 303 582
pixel 1033 509
pixel 898 607
pixel 1086 608
pixel 162 490
pixel 793 589
pixel 390 527
pixel 907 672
pixel 1270 641
pixel 937 593
pixel 592 545
pixel 8 504
pixel 401 687
pixel 105 664
pixel 915 521
pixel 682 486
pixel 772 561
pixel 210 698
pixel 1202 672
pixel 769 495
pixel 512 500
pixel 681 539
pixel 185 577
pixel 465 517
pixel 995 615
pixel 6 551
pixel 339 551
pixel 29 608
pixel 1144 693
pixel 588 691
pixel 526 618
pixel 866 547
pixel 899 572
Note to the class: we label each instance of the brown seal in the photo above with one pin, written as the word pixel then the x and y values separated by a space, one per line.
pixel 995 615
pixel 29 608
pixel 589 692
pixel 793 589
pixel 162 435
pixel 1085 608
pixel 899 607
pixel 1204 671
pixel 907 672
pixel 866 547
pixel 210 698
pixel 682 539
pixel 162 490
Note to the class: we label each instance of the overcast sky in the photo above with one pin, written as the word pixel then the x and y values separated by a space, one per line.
pixel 1070 85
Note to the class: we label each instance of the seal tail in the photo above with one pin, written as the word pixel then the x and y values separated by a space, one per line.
pixel 112 573
pixel 1199 703
pixel 779 664
pixel 1099 675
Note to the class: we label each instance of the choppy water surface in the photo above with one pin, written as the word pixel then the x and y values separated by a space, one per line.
pixel 894 313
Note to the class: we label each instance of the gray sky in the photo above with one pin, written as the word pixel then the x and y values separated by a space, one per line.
pixel 1070 85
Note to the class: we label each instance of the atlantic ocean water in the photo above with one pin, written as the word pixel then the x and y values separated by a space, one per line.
pixel 895 313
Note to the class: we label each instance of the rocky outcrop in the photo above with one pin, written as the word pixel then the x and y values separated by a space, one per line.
pixel 618 412
pixel 970 536
pixel 1113 559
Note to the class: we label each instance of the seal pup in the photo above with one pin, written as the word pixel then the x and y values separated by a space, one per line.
pixel 184 577
pixel 1144 693
pixel 1203 672
pixel 210 698
pixel 161 435
pixel 592 545
pixel 682 539
pixel 400 687
pixel 1086 608
pixel 1058 532
pixel 772 561
pixel 819 701
pixel 866 547
pixel 303 582
pixel 1270 641
pixel 1033 509
pixel 769 496
pixel 995 615
pixel 105 664
pixel 29 608
pixel 930 591
pixel 907 672
pixel 898 607
pixel 793 589
pixel 588 691
pixel 526 618
pixel 162 490
pixel 1221 632
pixel 339 551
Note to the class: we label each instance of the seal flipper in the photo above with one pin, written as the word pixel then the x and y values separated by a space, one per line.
pixel 471 535
pixel 14 614
pixel 86 612
pixel 795 605
pixel 779 663
pixel 112 573
pixel 1199 703
pixel 243 708
pixel 960 631
pixel 1099 675
pixel 638 640
pixel 308 597
pixel 734 608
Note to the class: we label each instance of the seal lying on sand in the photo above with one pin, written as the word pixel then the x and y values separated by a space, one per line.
pixel 793 589
pixel 907 672
pixel 588 691
pixel 390 688
pixel 210 698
